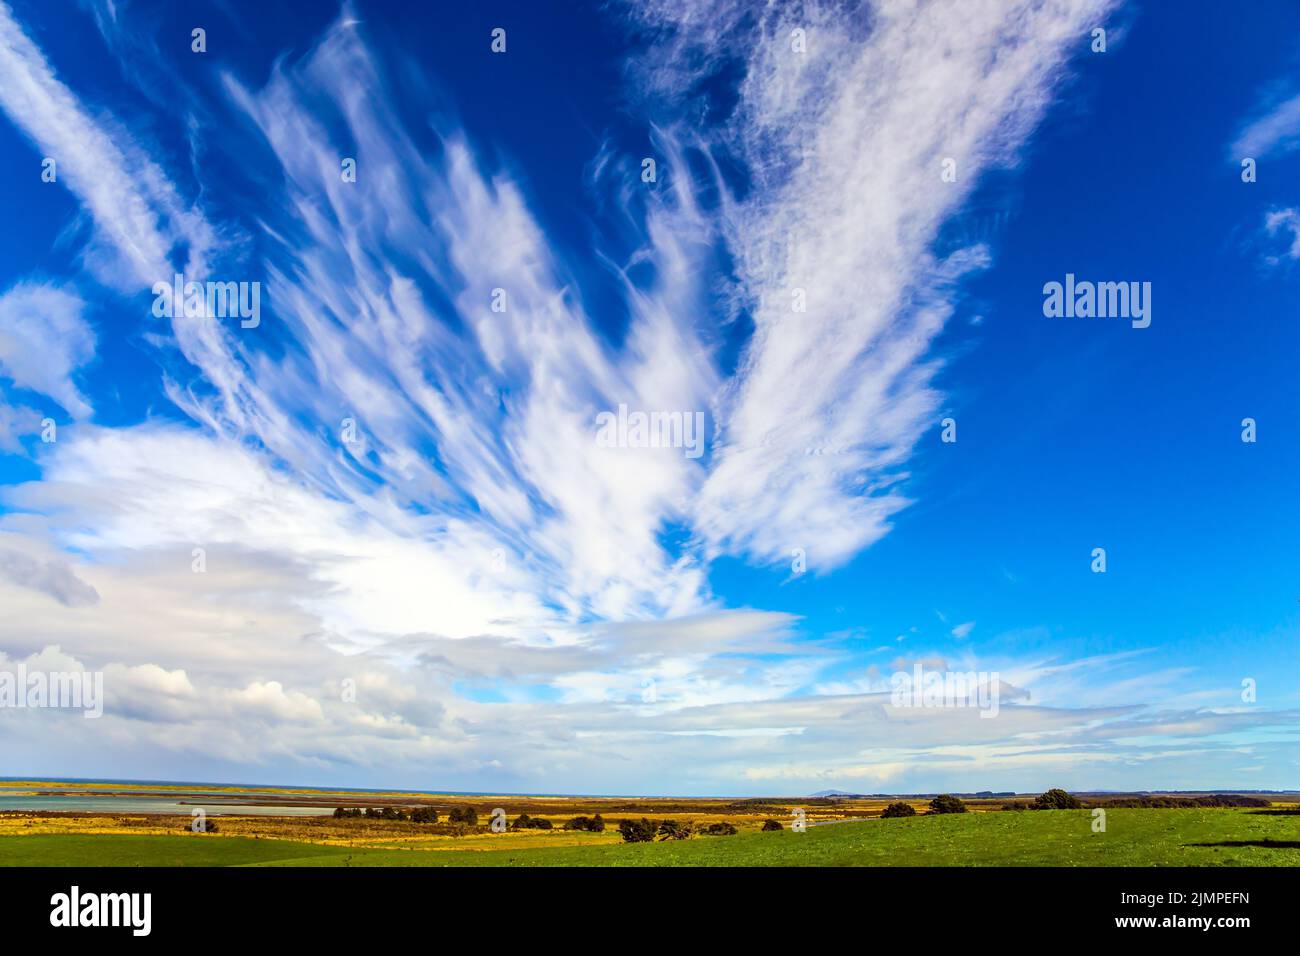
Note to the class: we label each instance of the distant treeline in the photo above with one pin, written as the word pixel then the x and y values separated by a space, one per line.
pixel 1061 800
pixel 1161 803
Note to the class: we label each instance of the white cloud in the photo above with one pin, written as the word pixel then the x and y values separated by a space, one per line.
pixel 1284 221
pixel 44 340
pixel 1276 130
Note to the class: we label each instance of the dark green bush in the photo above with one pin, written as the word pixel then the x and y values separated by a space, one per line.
pixel 899 809
pixel 1056 799
pixel 947 803
pixel 525 822
pixel 594 824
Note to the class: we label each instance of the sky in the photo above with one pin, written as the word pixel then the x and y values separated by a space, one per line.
pixel 377 531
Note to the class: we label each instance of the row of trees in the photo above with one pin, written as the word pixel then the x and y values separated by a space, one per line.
pixel 943 803
pixel 646 831
pixel 417 815
pixel 465 815
pixel 414 815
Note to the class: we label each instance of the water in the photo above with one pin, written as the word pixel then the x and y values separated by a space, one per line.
pixel 140 804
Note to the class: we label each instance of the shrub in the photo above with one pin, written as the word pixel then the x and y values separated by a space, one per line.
pixel 899 809
pixel 424 815
pixel 772 825
pixel 525 822
pixel 634 831
pixel 720 829
pixel 1056 799
pixel 947 803
pixel 346 813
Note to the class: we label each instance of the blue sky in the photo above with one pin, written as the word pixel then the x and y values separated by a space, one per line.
pixel 374 538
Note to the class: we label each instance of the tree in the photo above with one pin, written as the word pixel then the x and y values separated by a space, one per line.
pixel 465 815
pixel 637 831
pixel 947 803
pixel 899 809
pixel 1056 799
pixel 424 815
pixel 772 825
pixel 672 830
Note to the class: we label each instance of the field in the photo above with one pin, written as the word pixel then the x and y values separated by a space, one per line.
pixel 1133 837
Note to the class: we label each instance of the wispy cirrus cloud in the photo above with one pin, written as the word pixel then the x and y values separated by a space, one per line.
pixel 844 120
pixel 1275 130
pixel 139 216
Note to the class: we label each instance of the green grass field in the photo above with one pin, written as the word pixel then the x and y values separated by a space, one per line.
pixel 1134 837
